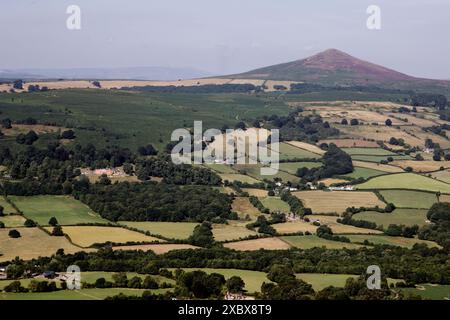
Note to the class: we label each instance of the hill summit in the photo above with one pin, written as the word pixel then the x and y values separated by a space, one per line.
pixel 330 67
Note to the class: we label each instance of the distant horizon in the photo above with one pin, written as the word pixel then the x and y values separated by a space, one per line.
pixel 222 38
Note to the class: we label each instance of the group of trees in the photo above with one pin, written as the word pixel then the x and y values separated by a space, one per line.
pixel 438 101
pixel 183 174
pixel 157 202
pixel 335 162
pixel 208 88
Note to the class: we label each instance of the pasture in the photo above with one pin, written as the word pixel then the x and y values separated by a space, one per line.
pixel 260 193
pixel 337 201
pixel 368 151
pixel 311 241
pixel 7 207
pixel 365 173
pixel 156 248
pixel 257 244
pixel 171 230
pixel 292 167
pixel 408 181
pixel 443 175
pixel 275 204
pixel 13 221
pixel 306 146
pixel 253 279
pixel 231 177
pixel 294 227
pixel 65 209
pixel 220 168
pixel 351 143
pixel 227 232
pixel 378 159
pixel 243 207
pixel 86 236
pixel 422 166
pixel 429 291
pixel 33 243
pixel 339 228
pixel 411 199
pixel 83 294
pixel 254 171
pixel 393 241
pixel 377 166
pixel 408 217
pixel 320 281
pixel 290 152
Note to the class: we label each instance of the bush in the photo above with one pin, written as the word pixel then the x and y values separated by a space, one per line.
pixel 14 234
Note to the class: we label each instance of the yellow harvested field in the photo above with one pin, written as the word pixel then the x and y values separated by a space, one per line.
pixel 422 136
pixel 260 193
pixel 377 166
pixel 86 236
pixel 243 207
pixel 306 146
pixel 443 175
pixel 337 201
pixel 294 227
pixel 422 166
pixel 224 232
pixel 340 228
pixel 328 182
pixel 33 243
pixel 351 143
pixel 412 120
pixel 256 244
pixel 156 248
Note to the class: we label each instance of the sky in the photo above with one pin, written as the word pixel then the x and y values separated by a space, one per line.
pixel 222 37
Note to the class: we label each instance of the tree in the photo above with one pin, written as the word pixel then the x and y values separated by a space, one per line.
pixel 150 283
pixel 344 122
pixel 18 84
pixel 2 225
pixel 240 125
pixel 6 123
pixel 14 234
pixel 439 211
pixel 389 207
pixel 235 284
pixel 68 134
pixel 148 150
pixel 29 223
pixel 354 122
pixel 135 283
pixel 57 231
pixel 15 286
pixel 388 122
pixel 53 222
pixel 120 279
pixel 128 168
pixel 202 235
pixel 2 211
pixel 104 180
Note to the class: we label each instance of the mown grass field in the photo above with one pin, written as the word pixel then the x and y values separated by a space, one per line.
pixel 255 172
pixel 408 217
pixel 430 291
pixel 339 228
pixel 411 199
pixel 83 294
pixel 33 243
pixel 377 159
pixel 172 230
pixel 253 279
pixel 224 232
pixel 320 281
pixel 405 181
pixel 443 175
pixel 393 241
pixel 422 166
pixel 256 244
pixel 86 236
pixel 13 221
pixel 156 248
pixel 288 151
pixel 292 167
pixel 243 207
pixel 65 209
pixel 220 168
pixel 337 201
pixel 237 177
pixel 7 208
pixel 369 151
pixel 293 227
pixel 311 241
pixel 365 173
pixel 275 204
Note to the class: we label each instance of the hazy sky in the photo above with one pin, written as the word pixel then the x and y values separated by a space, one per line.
pixel 223 36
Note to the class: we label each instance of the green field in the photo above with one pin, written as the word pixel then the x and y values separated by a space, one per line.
pixel 368 151
pixel 288 152
pixel 13 221
pixel 7 208
pixel 405 181
pixel 255 172
pixel 83 294
pixel 430 291
pixel 320 281
pixel 253 279
pixel 67 210
pixel 238 177
pixel 311 241
pixel 154 115
pixel 393 241
pixel 365 173
pixel 292 167
pixel 377 159
pixel 275 204
pixel 409 199
pixel 172 230
pixel 220 168
pixel 408 217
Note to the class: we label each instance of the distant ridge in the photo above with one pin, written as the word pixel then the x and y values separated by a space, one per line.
pixel 336 68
